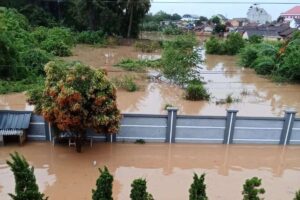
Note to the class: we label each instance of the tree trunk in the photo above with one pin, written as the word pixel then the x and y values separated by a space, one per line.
pixel 78 142
pixel 130 21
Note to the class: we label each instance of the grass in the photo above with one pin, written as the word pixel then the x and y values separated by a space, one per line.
pixel 138 65
pixel 148 46
pixel 127 83
pixel 20 86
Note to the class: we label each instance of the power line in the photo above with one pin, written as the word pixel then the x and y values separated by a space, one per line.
pixel 214 2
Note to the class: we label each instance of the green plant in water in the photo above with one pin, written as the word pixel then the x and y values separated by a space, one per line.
pixel 251 190
pixel 168 106
pixel 196 92
pixel 104 186
pixel 26 187
pixel 127 83
pixel 198 188
pixel 139 190
pixel 140 141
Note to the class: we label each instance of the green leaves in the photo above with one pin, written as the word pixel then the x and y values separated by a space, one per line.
pixel 251 190
pixel 198 188
pixel 104 186
pixel 26 187
pixel 139 190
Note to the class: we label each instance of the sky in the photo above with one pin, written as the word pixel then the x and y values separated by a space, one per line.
pixel 228 10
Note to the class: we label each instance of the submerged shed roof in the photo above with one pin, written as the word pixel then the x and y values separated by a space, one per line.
pixel 14 119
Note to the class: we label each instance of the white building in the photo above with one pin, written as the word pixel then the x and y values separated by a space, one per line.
pixel 189 18
pixel 258 15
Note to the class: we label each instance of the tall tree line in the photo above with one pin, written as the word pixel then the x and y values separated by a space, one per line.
pixel 114 17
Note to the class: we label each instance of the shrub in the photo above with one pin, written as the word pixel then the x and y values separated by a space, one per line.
pixel 255 39
pixel 172 30
pixel 234 43
pixel 104 186
pixel 37 16
pixel 297 197
pixel 251 190
pixel 196 92
pixel 248 55
pixel 197 189
pixel 126 83
pixel 131 65
pixel 35 59
pixel 264 65
pixel 150 26
pixel 26 187
pixel 40 33
pixel 140 141
pixel 214 46
pixel 147 46
pixel 56 47
pixel 91 37
pixel 139 190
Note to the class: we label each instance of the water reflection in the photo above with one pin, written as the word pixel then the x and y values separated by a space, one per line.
pixel 61 173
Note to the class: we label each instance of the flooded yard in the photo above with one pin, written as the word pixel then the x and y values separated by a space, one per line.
pixel 63 174
pixel 254 95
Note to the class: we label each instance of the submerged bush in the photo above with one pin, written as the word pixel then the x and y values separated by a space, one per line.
pixel 264 65
pixel 147 46
pixel 91 37
pixel 196 92
pixel 139 190
pixel 138 65
pixel 214 46
pixel 198 188
pixel 104 186
pixel 251 190
pixel 172 30
pixel 126 83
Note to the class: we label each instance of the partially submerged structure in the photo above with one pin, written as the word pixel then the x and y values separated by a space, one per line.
pixel 14 123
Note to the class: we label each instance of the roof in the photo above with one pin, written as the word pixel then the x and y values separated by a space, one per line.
pixel 287 33
pixel 266 33
pixel 293 11
pixel 14 119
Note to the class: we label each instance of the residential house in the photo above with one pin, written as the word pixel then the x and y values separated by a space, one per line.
pixel 189 18
pixel 291 14
pixel 258 15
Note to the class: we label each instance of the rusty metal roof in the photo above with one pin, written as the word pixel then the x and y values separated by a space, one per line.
pixel 14 119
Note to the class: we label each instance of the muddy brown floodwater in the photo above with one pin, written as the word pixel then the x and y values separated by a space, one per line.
pixel 63 174
pixel 254 95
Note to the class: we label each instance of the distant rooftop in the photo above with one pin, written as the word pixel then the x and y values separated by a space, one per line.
pixel 293 11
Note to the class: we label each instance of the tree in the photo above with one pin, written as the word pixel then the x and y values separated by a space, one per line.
pixel 215 20
pixel 75 98
pixel 297 197
pixel 176 17
pixel 219 29
pixel 280 19
pixel 139 190
pixel 197 189
pixel 26 187
pixel 104 186
pixel 251 190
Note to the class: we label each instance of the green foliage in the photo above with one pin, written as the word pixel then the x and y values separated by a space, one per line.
pixel 148 46
pixel 264 65
pixel 140 141
pixel 179 59
pixel 26 187
pixel 150 26
pixel 56 47
pixel 91 37
pixel 126 83
pixel 196 92
pixel 231 46
pixel 139 190
pixel 255 39
pixel 104 186
pixel 37 16
pixel 219 28
pixel 172 30
pixel 77 97
pixel 234 43
pixel 138 65
pixel 297 197
pixel 197 189
pixel 251 190
pixel 248 55
pixel 28 83
pixel 36 59
pixel 229 99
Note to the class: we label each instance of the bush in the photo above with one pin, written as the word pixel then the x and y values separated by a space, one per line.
pixel 251 190
pixel 264 65
pixel 196 92
pixel 197 189
pixel 150 26
pixel 172 30
pixel 104 186
pixel 131 65
pixel 179 59
pixel 126 83
pixel 147 46
pixel 214 46
pixel 255 39
pixel 139 190
pixel 234 43
pixel 91 37
pixel 35 59
pixel 56 47
pixel 248 55
pixel 37 16
pixel 26 187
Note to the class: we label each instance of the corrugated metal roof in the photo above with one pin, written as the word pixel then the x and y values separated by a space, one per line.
pixel 11 132
pixel 14 119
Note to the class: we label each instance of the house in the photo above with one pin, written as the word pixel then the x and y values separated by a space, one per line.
pixel 189 18
pixel 14 123
pixel 291 14
pixel 295 23
pixel 258 15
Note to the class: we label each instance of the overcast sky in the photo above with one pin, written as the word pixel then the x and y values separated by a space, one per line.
pixel 228 10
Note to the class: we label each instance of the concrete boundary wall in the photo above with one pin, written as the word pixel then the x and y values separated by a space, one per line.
pixel 174 128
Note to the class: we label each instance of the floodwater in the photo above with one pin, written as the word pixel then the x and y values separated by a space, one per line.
pixel 253 95
pixel 63 174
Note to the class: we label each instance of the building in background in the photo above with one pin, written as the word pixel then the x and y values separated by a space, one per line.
pixel 258 15
pixel 291 14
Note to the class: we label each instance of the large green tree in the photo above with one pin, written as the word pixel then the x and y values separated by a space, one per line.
pixel 75 98
pixel 26 187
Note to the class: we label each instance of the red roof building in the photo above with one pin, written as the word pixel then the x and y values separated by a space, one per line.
pixel 293 13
